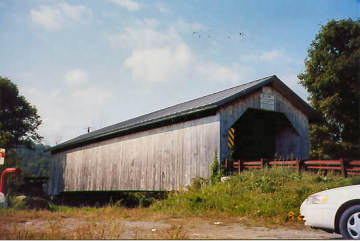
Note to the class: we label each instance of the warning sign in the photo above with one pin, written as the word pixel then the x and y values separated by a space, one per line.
pixel 231 137
pixel 2 156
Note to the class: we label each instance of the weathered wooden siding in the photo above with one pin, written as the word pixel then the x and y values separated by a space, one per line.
pixel 57 166
pixel 287 142
pixel 165 158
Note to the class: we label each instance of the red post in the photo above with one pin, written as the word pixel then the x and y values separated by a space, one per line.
pixel 4 175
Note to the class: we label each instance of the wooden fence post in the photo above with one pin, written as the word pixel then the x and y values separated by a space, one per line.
pixel 298 166
pixel 226 170
pixel 342 165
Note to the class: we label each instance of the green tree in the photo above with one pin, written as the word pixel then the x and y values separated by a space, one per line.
pixel 332 78
pixel 18 119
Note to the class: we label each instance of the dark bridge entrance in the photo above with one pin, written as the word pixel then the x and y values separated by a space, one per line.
pixel 259 133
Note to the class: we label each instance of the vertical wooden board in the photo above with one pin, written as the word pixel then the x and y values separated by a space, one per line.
pixel 86 170
pixel 127 167
pixel 123 170
pixel 57 174
pixel 149 185
pixel 174 170
pixel 156 164
pixel 129 182
pixel 142 165
pixel 147 179
pixel 101 170
pixel 108 166
pixel 199 149
pixel 188 156
pixel 133 178
pixel 202 161
pixel 192 154
pixel 159 162
pixel 168 159
pixel 93 175
pixel 120 161
pixel 164 162
pixel 137 167
pixel 178 158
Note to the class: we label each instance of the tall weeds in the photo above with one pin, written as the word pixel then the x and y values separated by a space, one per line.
pixel 266 193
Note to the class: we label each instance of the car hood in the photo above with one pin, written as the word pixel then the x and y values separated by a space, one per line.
pixel 353 189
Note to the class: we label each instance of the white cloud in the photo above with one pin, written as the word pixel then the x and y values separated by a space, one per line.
pixel 182 25
pixel 158 56
pixel 148 22
pixel 291 80
pixel 144 38
pixel 128 4
pixel 268 56
pixel 226 74
pixel 50 18
pixel 158 64
pixel 67 112
pixel 54 17
pixel 76 13
pixel 162 8
pixel 75 77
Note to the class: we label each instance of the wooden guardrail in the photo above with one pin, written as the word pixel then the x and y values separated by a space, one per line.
pixel 345 167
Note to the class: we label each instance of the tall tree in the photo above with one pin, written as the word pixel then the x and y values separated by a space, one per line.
pixel 332 78
pixel 18 119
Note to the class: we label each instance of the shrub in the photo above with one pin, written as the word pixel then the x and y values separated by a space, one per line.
pixel 216 172
pixel 268 193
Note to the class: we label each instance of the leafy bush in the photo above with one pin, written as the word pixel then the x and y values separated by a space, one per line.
pixel 15 203
pixel 216 171
pixel 267 193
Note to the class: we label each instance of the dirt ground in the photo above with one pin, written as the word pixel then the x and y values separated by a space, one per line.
pixel 205 229
pixel 163 227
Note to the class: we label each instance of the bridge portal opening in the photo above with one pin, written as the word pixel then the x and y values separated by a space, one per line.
pixel 263 134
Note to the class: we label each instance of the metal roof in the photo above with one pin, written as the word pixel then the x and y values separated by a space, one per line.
pixel 208 102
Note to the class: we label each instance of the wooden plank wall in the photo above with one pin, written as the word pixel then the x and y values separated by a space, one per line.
pixel 287 142
pixel 57 166
pixel 165 158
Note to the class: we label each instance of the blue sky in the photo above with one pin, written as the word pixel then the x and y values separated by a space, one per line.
pixel 95 63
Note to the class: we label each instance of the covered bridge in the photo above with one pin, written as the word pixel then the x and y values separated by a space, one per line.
pixel 166 149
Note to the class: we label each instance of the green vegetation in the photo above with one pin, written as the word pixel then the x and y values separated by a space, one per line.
pixel 19 120
pixel 332 78
pixel 266 193
pixel 34 161
pixel 216 171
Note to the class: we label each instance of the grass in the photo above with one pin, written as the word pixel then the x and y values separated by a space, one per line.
pixel 268 194
pixel 62 222
pixel 265 195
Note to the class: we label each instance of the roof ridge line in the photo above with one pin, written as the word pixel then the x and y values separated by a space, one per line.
pixel 185 102
pixel 201 97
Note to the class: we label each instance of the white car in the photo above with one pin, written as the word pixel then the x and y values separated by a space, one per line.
pixel 335 210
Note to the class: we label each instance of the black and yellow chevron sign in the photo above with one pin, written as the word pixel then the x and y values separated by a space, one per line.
pixel 231 137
